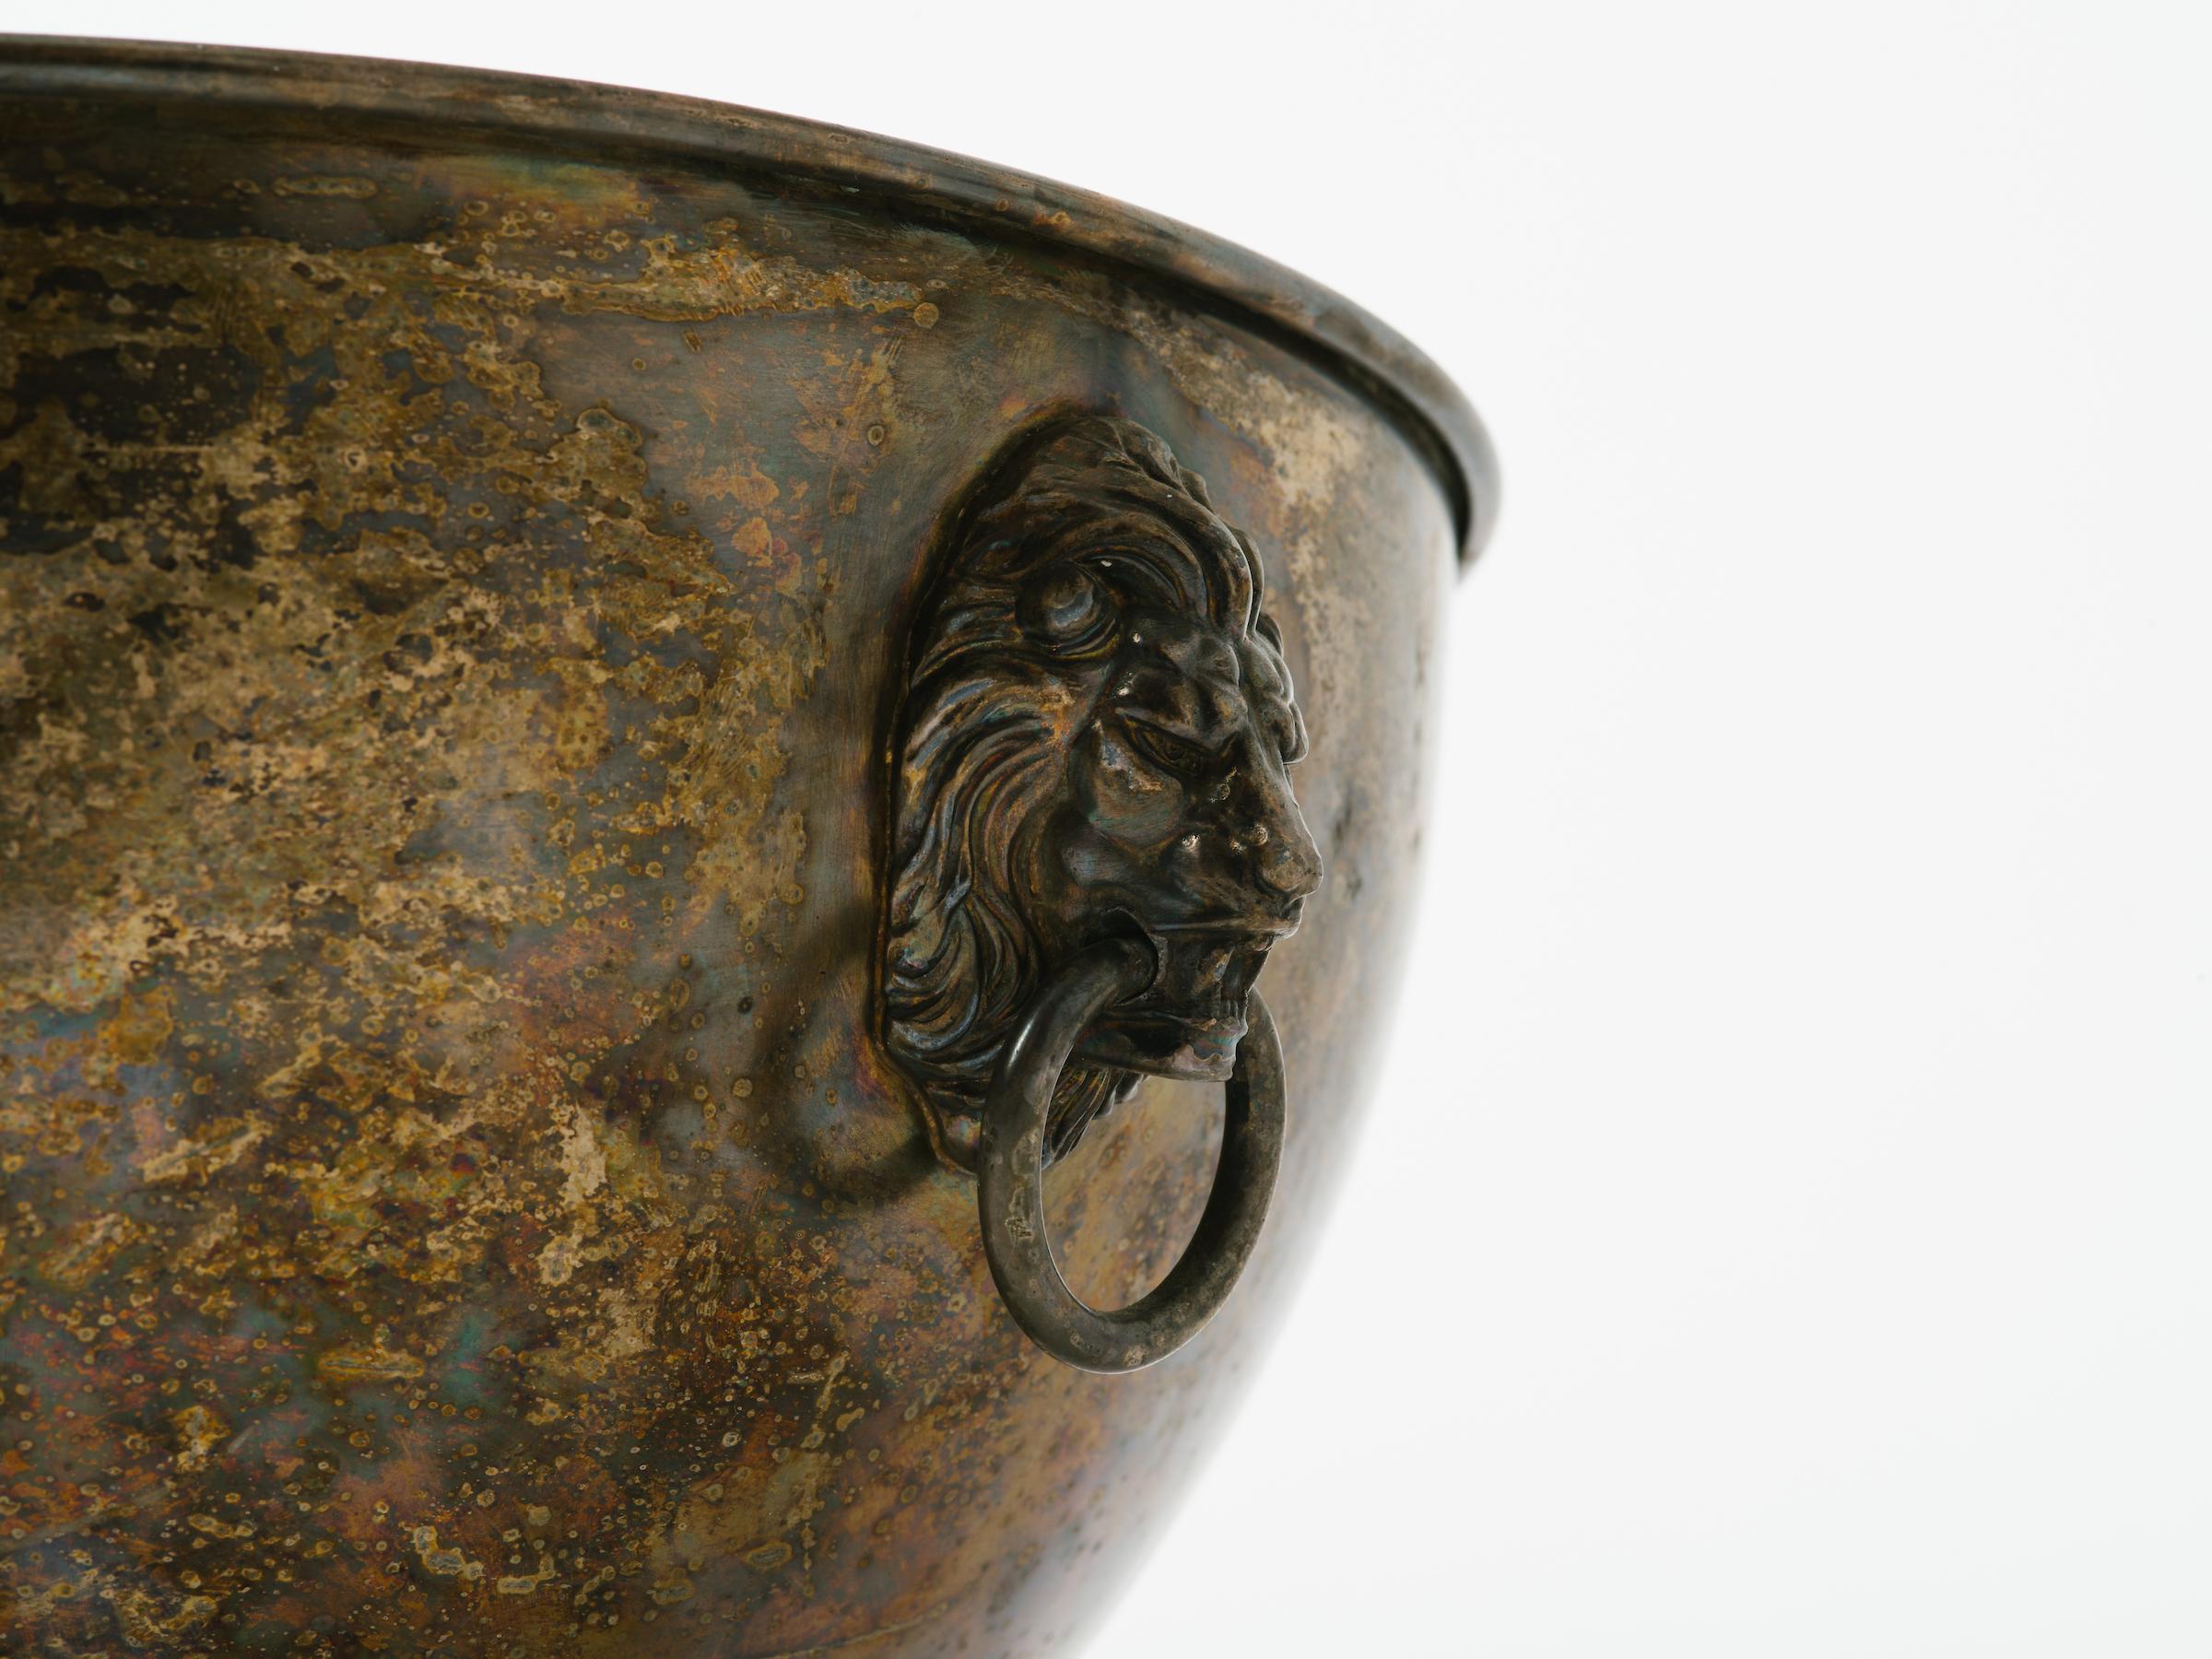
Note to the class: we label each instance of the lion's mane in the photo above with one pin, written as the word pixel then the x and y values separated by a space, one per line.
pixel 1078 521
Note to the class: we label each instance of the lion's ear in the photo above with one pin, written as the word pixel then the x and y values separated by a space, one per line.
pixel 1067 609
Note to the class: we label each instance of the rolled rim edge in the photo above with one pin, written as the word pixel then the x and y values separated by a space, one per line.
pixel 1359 348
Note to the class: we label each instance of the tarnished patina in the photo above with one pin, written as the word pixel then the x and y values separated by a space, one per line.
pixel 459 538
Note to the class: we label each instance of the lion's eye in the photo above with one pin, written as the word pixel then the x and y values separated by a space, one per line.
pixel 1166 750
pixel 1067 609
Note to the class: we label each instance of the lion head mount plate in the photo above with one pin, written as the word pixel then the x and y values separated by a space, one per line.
pixel 1093 753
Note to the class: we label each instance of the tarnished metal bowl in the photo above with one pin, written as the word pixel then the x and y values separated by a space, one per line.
pixel 648 758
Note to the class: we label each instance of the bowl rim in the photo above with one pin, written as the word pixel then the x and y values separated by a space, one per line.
pixel 1215 275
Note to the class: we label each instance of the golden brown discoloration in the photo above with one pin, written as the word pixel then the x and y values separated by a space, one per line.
pixel 451 1203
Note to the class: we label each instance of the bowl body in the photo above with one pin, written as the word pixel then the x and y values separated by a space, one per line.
pixel 460 533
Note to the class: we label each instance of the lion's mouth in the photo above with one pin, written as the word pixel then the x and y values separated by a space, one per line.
pixel 1187 1023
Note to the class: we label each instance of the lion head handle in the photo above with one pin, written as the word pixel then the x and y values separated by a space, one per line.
pixel 1092 744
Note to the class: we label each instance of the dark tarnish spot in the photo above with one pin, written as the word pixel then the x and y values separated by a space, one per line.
pixel 160 623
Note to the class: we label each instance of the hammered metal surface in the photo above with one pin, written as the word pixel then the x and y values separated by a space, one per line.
pixel 452 1202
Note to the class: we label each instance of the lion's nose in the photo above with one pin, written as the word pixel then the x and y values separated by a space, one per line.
pixel 1285 860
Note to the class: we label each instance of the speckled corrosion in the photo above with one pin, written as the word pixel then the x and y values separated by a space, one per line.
pixel 453 1204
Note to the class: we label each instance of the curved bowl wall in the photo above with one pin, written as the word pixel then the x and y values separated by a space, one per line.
pixel 458 535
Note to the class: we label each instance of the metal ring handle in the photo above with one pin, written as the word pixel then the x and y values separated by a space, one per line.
pixel 1010 1170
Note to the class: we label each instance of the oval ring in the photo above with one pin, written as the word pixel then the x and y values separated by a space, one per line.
pixel 1010 1176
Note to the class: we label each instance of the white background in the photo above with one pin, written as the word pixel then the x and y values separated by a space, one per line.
pixel 1788 1210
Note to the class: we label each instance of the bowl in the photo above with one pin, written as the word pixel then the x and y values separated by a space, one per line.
pixel 707 823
